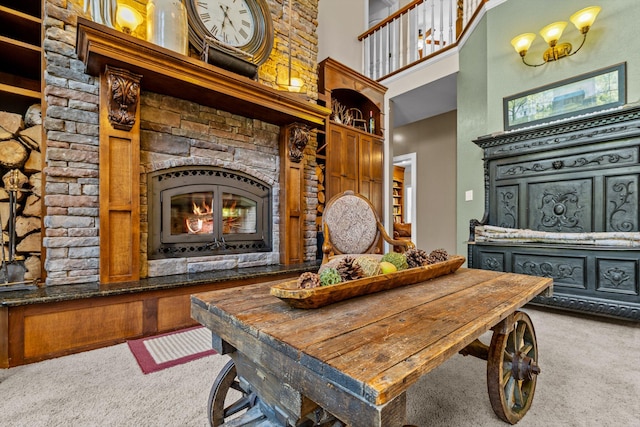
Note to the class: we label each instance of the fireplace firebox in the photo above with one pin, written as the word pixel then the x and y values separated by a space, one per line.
pixel 207 211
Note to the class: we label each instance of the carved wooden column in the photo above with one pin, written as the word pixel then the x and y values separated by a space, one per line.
pixel 293 140
pixel 119 175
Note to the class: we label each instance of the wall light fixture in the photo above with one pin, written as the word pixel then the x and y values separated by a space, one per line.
pixel 582 19
pixel 128 18
pixel 289 79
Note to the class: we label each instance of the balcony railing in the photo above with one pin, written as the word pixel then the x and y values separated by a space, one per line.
pixel 415 33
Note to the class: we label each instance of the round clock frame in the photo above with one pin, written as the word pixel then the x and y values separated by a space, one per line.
pixel 258 47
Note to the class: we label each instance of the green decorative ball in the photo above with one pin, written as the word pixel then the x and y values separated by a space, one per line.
pixel 397 259
pixel 329 276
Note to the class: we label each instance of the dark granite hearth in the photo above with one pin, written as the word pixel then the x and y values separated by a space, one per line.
pixel 48 294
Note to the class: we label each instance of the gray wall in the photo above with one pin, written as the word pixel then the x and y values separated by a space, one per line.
pixel 434 142
pixel 339 25
pixel 490 70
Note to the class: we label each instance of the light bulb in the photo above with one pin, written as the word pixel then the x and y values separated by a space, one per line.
pixel 552 32
pixel 128 18
pixel 584 18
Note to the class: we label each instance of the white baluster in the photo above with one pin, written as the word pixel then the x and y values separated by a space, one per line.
pixel 367 57
pixel 382 59
pixel 432 33
pixel 401 44
pixel 394 48
pixel 451 21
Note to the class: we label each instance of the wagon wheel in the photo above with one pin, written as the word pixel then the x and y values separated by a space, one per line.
pixel 227 379
pixel 512 369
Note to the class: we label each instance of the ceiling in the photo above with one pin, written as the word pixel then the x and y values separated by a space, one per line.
pixel 432 99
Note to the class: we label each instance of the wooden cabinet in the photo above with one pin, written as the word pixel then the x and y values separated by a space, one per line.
pixel 354 162
pixel 398 194
pixel 342 160
pixel 349 154
pixel 20 44
pixel 370 170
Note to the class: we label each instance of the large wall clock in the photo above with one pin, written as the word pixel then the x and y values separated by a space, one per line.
pixel 243 27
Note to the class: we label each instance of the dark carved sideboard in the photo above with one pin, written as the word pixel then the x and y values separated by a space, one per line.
pixel 571 180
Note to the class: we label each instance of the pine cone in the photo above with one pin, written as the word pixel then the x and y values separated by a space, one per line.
pixel 438 255
pixel 308 280
pixel 349 269
pixel 416 257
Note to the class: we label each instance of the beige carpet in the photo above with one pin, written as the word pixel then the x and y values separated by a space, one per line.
pixel 590 377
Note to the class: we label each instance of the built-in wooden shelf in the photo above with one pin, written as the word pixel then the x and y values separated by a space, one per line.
pixel 20 26
pixel 170 73
pixel 20 44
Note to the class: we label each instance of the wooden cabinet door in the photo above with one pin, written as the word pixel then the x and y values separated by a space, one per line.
pixel 371 152
pixel 342 161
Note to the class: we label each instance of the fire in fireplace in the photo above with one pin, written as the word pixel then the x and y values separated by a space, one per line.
pixel 207 211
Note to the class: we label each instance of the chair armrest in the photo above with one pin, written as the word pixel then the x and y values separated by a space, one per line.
pixel 327 247
pixel 406 244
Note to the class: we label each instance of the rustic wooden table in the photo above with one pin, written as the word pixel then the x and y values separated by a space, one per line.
pixel 353 361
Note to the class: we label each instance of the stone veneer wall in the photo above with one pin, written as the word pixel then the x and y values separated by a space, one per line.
pixel 177 133
pixel 71 121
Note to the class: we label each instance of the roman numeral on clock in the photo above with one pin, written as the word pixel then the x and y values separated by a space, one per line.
pixel 205 17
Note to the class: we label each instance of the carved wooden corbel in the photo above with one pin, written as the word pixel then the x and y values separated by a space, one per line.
pixel 298 140
pixel 124 94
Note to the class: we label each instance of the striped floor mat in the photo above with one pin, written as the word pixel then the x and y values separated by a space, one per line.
pixel 171 349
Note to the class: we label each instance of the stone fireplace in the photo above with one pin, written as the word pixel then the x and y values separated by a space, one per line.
pixel 209 192
pixel 100 211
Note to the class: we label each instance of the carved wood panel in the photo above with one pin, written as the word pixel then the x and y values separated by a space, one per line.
pixel 576 176
pixel 561 206
pixel 119 192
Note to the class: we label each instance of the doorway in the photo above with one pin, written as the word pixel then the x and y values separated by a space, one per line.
pixel 409 190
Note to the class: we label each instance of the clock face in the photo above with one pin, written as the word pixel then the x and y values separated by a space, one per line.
pixel 243 25
pixel 229 21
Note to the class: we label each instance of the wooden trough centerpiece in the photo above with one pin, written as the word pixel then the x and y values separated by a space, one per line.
pixel 321 296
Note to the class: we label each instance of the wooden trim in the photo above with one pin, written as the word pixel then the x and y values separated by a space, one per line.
pixel 119 195
pixel 335 75
pixel 4 338
pixel 46 330
pixel 390 18
pixel 170 73
pixel 292 205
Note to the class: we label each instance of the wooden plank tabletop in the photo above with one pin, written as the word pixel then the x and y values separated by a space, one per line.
pixel 377 345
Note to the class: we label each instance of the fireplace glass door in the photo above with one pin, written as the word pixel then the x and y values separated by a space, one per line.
pixel 239 214
pixel 192 214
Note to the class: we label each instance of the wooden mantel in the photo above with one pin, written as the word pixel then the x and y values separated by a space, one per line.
pixel 170 73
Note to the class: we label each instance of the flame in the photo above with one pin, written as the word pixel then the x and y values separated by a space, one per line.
pixel 205 209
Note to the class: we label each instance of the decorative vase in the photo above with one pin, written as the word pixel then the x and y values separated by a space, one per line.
pixel 167 25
